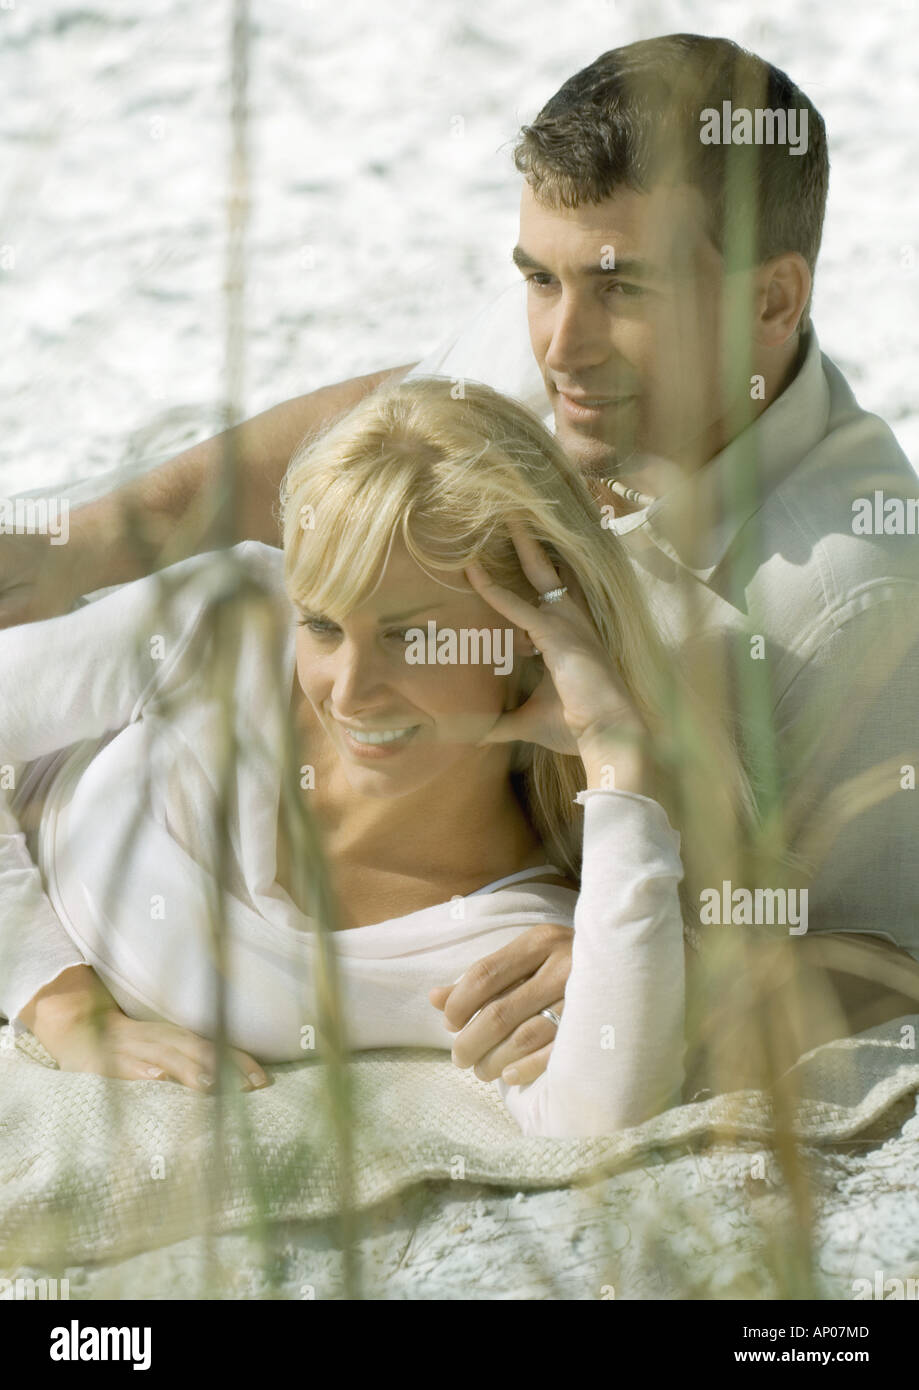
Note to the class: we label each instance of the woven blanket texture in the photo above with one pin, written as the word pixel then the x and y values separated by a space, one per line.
pixel 94 1168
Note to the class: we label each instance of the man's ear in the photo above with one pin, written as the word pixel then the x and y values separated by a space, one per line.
pixel 783 286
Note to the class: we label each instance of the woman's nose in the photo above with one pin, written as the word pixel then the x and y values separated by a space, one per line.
pixel 359 679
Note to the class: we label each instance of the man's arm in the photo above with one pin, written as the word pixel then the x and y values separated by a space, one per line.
pixel 171 512
pixel 849 742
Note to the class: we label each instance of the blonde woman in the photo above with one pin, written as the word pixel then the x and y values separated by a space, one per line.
pixel 464 789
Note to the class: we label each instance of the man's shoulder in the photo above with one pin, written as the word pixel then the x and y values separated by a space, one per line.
pixel 841 530
pixel 810 571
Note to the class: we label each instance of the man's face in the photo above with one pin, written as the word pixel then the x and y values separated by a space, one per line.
pixel 624 300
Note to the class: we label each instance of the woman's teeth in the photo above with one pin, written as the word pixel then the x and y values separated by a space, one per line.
pixel 383 736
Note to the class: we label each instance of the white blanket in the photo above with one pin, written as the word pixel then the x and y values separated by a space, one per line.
pixel 93 1168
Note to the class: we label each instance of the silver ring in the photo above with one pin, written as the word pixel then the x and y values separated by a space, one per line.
pixel 553 595
pixel 551 1015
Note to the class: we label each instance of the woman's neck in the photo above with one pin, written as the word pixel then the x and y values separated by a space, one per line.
pixel 467 825
pixel 460 831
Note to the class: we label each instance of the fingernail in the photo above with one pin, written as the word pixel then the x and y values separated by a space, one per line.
pixel 256 1079
pixel 511 1075
pixel 154 1071
pixel 204 1080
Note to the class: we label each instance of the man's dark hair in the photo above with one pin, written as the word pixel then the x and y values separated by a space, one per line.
pixel 633 118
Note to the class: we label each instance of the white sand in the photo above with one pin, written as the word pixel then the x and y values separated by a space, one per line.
pixel 113 179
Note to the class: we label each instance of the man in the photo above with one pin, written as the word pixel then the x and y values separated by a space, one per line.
pixel 667 291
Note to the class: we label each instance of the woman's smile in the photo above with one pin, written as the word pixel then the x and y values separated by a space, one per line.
pixel 377 743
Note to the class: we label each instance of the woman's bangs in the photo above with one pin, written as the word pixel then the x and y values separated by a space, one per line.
pixel 336 559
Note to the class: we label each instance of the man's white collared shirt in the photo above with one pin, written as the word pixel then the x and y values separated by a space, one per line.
pixel 757 557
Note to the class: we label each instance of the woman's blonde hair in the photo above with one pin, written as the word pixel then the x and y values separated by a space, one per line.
pixel 447 469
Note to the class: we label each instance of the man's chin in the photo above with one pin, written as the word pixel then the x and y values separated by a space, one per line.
pixel 595 459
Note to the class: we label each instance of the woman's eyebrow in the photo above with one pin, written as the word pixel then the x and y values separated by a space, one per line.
pixel 409 613
pixel 389 618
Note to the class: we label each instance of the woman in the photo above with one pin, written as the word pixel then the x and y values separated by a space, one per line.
pixel 461 795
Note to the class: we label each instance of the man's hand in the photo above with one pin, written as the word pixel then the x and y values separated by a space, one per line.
pixel 170 512
pixel 495 1006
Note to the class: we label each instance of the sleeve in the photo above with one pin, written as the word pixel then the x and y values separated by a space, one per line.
pixel 618 1057
pixel 493 347
pixel 34 947
pixel 64 680
pixel 847 739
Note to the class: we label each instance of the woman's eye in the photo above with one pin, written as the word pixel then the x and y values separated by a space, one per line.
pixel 321 626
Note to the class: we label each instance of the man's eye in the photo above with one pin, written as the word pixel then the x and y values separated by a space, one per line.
pixel 539 277
pixel 400 633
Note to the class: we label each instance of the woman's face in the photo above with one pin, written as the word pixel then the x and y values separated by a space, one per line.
pixel 356 675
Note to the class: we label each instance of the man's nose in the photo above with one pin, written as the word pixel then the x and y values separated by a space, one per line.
pixel 580 335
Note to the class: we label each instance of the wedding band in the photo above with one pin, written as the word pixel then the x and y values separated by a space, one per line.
pixel 551 1015
pixel 553 595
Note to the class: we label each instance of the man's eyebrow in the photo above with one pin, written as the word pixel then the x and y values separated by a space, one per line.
pixel 631 265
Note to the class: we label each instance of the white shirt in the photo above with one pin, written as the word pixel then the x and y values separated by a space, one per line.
pixel 783 564
pixel 106 722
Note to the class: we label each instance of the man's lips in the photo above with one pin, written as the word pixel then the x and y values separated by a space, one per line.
pixel 587 398
pixel 583 407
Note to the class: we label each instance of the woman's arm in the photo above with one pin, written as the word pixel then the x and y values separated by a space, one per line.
pixel 618 1054
pixel 75 996
pixel 64 680
pixel 34 947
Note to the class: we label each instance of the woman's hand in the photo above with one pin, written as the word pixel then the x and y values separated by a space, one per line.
pixel 580 707
pixel 78 1022
pixel 134 1050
